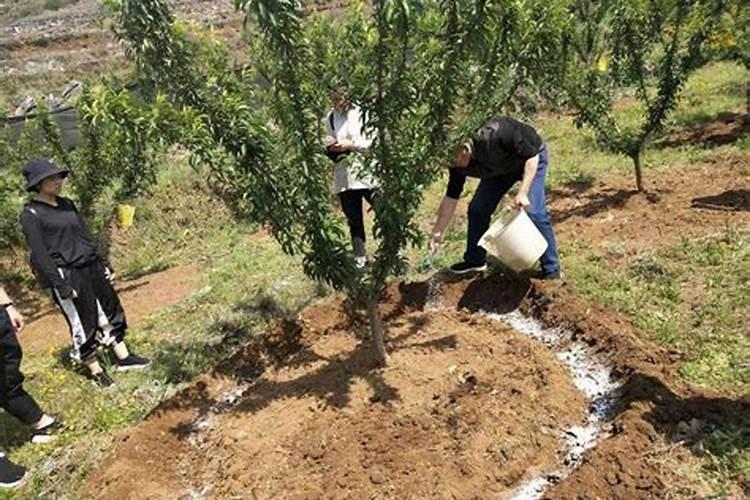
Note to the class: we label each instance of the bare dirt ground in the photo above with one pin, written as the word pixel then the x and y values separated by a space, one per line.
pixel 77 39
pixel 683 202
pixel 47 328
pixel 467 409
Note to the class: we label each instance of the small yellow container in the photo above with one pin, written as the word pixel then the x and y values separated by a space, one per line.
pixel 602 64
pixel 125 215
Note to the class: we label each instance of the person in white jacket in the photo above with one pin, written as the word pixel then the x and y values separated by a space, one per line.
pixel 345 138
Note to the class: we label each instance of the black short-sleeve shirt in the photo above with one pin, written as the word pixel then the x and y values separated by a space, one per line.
pixel 501 147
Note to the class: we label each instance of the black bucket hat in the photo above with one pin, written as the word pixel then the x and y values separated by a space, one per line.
pixel 37 170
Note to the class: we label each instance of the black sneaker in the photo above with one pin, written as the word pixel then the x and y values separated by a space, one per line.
pixel 103 380
pixel 11 475
pixel 556 275
pixel 47 433
pixel 132 362
pixel 466 268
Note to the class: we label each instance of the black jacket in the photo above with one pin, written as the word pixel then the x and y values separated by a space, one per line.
pixel 58 237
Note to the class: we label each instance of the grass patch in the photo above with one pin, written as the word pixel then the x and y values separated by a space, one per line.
pixel 694 297
pixel 247 282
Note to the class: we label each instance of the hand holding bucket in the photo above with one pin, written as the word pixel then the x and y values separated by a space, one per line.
pixel 514 240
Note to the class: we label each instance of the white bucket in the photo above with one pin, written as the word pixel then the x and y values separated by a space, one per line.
pixel 514 240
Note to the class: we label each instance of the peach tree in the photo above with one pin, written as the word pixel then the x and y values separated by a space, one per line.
pixel 416 69
pixel 647 47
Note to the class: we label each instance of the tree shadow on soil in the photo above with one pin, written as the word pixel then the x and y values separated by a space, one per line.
pixel 734 200
pixel 709 131
pixel 690 420
pixel 595 203
pixel 330 382
pixel 329 379
pixel 500 291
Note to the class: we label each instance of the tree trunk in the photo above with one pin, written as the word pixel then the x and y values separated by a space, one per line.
pixel 638 174
pixel 376 329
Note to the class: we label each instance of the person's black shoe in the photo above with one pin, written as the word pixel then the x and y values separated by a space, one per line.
pixel 132 362
pixel 103 380
pixel 47 433
pixel 11 475
pixel 466 268
pixel 553 276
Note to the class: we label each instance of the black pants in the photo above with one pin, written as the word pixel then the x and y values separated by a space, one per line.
pixel 13 398
pixel 351 204
pixel 96 310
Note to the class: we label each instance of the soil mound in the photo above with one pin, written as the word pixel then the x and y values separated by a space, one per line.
pixel 466 407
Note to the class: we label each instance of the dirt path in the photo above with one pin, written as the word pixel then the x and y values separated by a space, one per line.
pixel 140 298
pixel 684 202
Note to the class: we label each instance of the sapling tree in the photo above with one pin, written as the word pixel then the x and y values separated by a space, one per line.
pixel 651 47
pixel 123 140
pixel 410 64
pixel 413 67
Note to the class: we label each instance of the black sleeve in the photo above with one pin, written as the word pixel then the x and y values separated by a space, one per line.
pixel 456 183
pixel 40 259
pixel 99 247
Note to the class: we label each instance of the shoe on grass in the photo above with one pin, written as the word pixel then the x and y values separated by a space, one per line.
pixel 130 363
pixel 11 475
pixel 47 433
pixel 466 268
pixel 553 276
pixel 103 380
pixel 360 262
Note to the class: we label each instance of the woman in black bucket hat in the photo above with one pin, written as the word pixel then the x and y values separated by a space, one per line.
pixel 67 259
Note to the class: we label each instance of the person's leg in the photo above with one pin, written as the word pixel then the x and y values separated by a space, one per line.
pixel 13 398
pixel 486 198
pixel 82 316
pixel 539 215
pixel 351 204
pixel 110 313
pixel 112 322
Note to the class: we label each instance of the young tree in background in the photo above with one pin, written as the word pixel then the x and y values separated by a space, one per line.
pixel 651 47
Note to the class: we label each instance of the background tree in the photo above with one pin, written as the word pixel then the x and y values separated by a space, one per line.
pixel 124 138
pixel 652 48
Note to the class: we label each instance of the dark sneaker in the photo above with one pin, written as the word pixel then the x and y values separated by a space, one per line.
pixel 47 433
pixel 552 276
pixel 132 362
pixel 466 268
pixel 103 380
pixel 11 475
